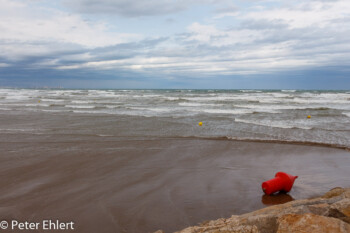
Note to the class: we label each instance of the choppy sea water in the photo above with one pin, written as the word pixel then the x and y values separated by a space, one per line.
pixel 261 115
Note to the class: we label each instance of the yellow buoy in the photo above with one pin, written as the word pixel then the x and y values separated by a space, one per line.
pixel 308 117
pixel 200 123
pixel 38 101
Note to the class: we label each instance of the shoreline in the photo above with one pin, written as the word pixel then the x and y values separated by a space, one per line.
pixel 277 141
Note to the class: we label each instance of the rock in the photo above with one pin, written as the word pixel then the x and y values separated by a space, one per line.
pixel 264 222
pixel 329 213
pixel 296 223
pixel 347 193
pixel 222 229
pixel 341 210
pixel 320 209
pixel 334 192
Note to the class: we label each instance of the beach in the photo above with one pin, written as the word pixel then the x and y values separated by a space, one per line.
pixel 134 173
pixel 175 116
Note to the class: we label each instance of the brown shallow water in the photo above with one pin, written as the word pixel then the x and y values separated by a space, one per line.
pixel 130 184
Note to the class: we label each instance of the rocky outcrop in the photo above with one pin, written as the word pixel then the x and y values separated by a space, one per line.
pixel 310 223
pixel 329 213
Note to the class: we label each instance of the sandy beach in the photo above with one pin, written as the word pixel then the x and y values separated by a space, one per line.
pixel 120 184
pixel 137 161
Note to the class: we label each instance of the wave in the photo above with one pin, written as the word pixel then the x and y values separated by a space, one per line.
pixel 249 91
pixel 273 124
pixel 80 102
pixel 53 100
pixel 151 109
pixel 89 112
pixel 225 111
pixel 36 105
pixel 264 107
pixel 281 95
pixel 346 114
pixel 318 99
pixel 57 111
pixel 233 111
pixel 57 105
pixel 198 104
pixel 80 106
pixel 105 135
pixel 145 96
pixel 172 98
pixel 17 97
pixel 281 107
pixel 288 90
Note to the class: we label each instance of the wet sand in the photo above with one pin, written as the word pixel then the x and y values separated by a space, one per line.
pixel 121 184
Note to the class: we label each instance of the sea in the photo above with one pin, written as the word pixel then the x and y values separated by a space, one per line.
pixel 284 116
pixel 139 160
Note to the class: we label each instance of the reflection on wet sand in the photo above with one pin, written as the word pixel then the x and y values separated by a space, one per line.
pixel 275 199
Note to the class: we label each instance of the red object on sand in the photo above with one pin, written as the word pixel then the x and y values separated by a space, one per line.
pixel 281 182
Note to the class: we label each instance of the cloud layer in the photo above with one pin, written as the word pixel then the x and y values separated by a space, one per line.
pixel 135 8
pixel 218 39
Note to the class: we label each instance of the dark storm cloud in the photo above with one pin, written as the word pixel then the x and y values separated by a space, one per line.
pixel 134 8
pixel 79 55
pixel 127 8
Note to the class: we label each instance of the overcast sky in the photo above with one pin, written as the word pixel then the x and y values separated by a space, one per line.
pixel 228 44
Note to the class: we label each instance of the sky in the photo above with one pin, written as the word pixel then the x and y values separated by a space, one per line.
pixel 209 44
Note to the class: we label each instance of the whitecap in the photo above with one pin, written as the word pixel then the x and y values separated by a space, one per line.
pixel 282 125
pixel 80 106
pixel 153 109
pixel 249 91
pixel 172 98
pixel 278 107
pixel 346 114
pixel 80 102
pixel 52 100
pixel 51 110
pixel 225 111
pixel 36 105
pixel 288 90
pixel 198 104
